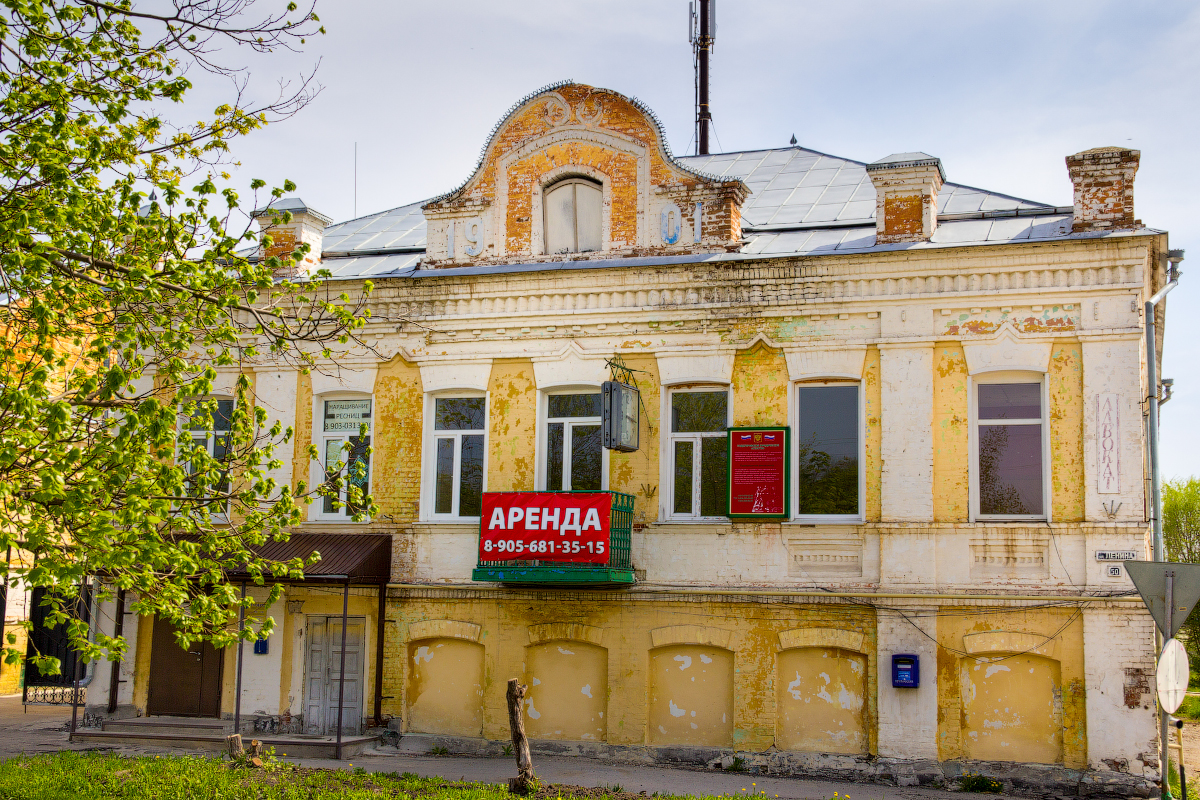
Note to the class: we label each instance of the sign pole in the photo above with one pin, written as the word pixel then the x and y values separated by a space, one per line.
pixel 1163 729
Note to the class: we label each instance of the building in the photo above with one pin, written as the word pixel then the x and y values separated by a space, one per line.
pixel 962 375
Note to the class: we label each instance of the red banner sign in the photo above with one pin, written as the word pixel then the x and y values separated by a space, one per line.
pixel 758 472
pixel 545 526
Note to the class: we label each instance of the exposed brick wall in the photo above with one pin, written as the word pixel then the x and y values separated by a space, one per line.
pixel 1103 180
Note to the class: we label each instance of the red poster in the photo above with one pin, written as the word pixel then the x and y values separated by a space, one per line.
pixel 545 526
pixel 758 472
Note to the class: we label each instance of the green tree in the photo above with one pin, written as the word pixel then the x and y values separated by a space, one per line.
pixel 118 307
pixel 1181 535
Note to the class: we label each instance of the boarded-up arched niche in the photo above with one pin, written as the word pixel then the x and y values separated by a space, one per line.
pixel 691 686
pixel 1011 686
pixel 821 691
pixel 566 670
pixel 444 692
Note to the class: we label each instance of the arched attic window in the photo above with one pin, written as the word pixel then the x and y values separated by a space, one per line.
pixel 574 211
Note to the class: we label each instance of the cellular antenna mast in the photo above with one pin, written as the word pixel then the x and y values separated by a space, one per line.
pixel 702 32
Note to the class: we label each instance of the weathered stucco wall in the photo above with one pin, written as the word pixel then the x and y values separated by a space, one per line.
pixel 640 640
pixel 760 387
pixel 1029 663
pixel 951 429
pixel 1065 380
pixel 636 473
pixel 396 456
pixel 512 419
pixel 873 414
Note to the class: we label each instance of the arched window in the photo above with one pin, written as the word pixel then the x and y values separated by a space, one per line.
pixel 573 212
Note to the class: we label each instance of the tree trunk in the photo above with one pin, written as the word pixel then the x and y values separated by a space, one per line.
pixel 234 743
pixel 525 782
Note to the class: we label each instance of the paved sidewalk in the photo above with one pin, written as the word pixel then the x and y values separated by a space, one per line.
pixel 44 729
pixel 631 778
pixel 34 729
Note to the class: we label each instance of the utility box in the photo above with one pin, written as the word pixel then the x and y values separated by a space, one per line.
pixel 906 671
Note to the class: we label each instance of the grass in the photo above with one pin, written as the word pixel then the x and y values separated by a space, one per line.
pixel 105 776
pixel 973 782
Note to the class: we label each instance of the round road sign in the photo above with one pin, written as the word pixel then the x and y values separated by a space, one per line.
pixel 1172 676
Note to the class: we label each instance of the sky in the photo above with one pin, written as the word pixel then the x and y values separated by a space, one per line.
pixel 1001 92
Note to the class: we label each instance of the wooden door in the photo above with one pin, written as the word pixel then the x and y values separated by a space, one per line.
pixel 184 683
pixel 323 671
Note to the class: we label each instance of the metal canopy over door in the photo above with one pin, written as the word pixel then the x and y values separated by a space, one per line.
pixel 324 661
pixel 183 682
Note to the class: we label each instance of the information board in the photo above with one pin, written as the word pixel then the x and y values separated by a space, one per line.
pixel 546 526
pixel 759 472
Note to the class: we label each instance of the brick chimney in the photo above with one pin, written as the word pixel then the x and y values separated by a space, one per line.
pixel 906 189
pixel 306 226
pixel 1103 180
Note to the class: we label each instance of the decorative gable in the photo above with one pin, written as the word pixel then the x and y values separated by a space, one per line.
pixel 614 149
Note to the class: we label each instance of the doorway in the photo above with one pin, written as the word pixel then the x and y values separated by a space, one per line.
pixel 183 683
pixel 324 660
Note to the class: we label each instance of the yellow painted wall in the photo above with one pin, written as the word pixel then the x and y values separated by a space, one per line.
pixel 626 626
pixel 512 422
pixel 304 429
pixel 363 603
pixel 872 405
pixel 10 674
pixel 1012 708
pixel 141 674
pixel 822 701
pixel 445 687
pixel 691 695
pixel 636 473
pixel 951 429
pixel 760 387
pixel 1019 726
pixel 396 444
pixel 568 691
pixel 1066 432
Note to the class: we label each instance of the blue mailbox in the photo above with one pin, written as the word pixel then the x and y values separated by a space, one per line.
pixel 261 647
pixel 906 671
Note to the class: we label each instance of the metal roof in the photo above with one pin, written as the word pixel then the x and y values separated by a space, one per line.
pixel 802 202
pixel 796 185
pixel 360 557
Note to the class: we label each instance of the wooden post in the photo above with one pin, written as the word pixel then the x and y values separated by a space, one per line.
pixel 525 782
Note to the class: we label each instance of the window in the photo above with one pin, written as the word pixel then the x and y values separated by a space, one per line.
pixel 458 429
pixel 209 429
pixel 573 214
pixel 1010 447
pixel 573 453
pixel 827 451
pixel 699 458
pixel 344 449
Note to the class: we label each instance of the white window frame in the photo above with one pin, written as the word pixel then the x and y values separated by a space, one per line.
pixel 574 178
pixel 667 479
pixel 222 516
pixel 1009 376
pixel 794 424
pixel 429 455
pixel 320 436
pixel 543 437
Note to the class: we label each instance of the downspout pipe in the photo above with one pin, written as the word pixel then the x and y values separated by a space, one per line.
pixel 1174 257
pixel 1152 402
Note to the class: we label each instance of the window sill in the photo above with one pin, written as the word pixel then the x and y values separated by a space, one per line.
pixel 1022 520
pixel 443 527
pixel 823 521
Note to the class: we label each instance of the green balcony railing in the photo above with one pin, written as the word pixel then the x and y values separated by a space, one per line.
pixel 619 568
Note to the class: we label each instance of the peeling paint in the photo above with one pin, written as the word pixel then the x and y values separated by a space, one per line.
pixel 951 409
